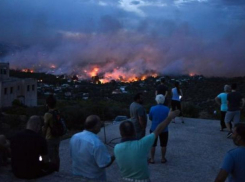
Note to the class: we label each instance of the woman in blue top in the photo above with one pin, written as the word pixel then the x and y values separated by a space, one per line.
pixel 221 100
pixel 176 99
pixel 157 115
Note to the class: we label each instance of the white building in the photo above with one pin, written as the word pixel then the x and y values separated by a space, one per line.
pixel 25 90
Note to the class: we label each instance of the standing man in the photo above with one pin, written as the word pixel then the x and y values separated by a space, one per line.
pixel 235 104
pixel 131 154
pixel 163 89
pixel 138 115
pixel 53 141
pixel 234 161
pixel 27 148
pixel 89 155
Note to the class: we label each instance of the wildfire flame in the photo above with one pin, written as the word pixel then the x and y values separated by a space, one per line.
pixel 191 74
pixel 27 71
pixel 117 74
pixel 52 66
pixel 94 72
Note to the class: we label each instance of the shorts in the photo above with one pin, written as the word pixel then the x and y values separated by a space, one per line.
pixel 163 139
pixel 232 116
pixel 176 105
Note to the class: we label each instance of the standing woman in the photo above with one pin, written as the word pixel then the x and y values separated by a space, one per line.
pixel 221 100
pixel 177 95
pixel 157 115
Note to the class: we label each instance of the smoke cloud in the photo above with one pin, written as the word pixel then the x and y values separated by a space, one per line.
pixel 125 37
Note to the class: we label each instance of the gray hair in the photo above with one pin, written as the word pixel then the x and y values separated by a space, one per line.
pixel 34 123
pixel 160 99
pixel 227 88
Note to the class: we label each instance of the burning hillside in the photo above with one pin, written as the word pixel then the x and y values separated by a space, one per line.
pixel 117 74
pixel 97 74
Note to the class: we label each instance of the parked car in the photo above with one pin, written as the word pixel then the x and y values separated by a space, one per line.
pixel 120 119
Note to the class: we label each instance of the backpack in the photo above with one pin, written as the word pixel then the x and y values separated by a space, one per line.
pixel 59 126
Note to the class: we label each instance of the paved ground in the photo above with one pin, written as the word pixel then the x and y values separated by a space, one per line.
pixel 195 152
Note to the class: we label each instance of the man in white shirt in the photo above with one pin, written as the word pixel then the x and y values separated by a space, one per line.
pixel 89 155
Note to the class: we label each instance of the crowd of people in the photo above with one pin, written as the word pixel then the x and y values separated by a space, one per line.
pixel 33 156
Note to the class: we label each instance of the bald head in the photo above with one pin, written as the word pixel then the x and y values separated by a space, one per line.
pixel 92 123
pixel 34 123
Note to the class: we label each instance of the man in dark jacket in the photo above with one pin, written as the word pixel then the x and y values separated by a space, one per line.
pixel 27 150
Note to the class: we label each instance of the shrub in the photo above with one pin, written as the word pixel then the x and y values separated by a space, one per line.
pixel 16 103
pixel 190 110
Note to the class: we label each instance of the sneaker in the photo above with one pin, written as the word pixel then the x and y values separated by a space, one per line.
pixel 229 134
pixel 163 160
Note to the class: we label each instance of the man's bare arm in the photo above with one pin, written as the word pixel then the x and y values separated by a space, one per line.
pixel 45 126
pixel 165 123
pixel 217 100
pixel 221 176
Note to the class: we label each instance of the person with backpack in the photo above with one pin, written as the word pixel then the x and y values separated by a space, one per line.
pixel 53 129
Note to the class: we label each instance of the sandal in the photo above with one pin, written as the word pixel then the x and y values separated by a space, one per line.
pixel 151 162
pixel 164 160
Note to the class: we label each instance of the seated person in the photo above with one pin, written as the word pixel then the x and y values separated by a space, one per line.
pixel 4 150
pixel 27 147
pixel 89 155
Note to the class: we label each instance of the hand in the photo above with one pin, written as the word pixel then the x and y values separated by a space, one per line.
pixel 173 114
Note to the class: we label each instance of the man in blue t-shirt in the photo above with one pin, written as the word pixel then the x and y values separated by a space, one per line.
pixel 234 161
pixel 131 154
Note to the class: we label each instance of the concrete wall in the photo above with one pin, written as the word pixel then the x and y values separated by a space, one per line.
pixel 29 90
pixel 10 89
pixel 4 71
pixel 23 89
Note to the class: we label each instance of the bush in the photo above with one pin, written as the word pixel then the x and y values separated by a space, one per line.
pixel 76 113
pixel 74 116
pixel 190 110
pixel 16 103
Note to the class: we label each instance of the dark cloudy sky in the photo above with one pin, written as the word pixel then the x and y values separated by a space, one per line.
pixel 134 36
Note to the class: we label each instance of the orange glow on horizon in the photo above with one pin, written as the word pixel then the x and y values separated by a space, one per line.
pixel 191 74
pixel 27 70
pixel 52 66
